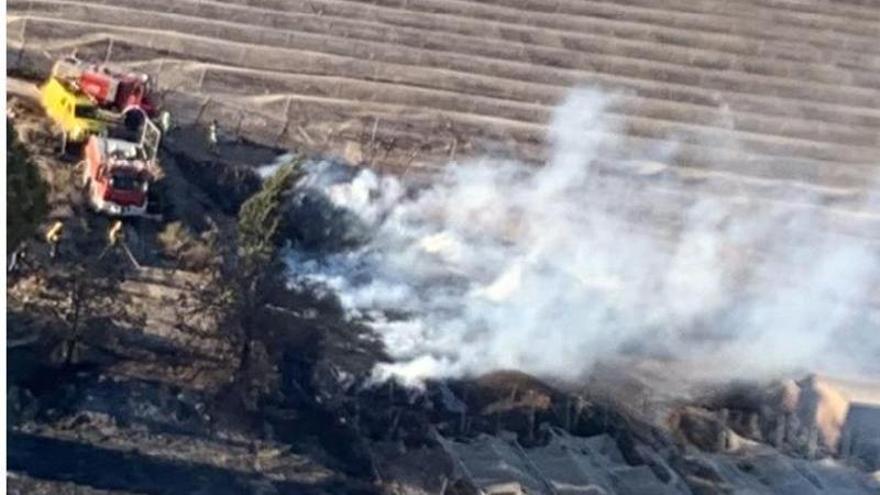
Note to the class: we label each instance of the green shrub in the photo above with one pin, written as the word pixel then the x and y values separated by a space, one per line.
pixel 260 218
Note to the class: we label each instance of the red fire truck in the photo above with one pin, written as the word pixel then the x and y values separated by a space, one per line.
pixel 111 88
pixel 117 173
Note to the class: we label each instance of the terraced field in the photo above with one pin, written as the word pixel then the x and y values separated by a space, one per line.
pixel 741 84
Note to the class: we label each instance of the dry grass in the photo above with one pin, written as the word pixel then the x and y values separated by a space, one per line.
pixel 192 252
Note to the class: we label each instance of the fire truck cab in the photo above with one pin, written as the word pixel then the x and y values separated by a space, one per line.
pixel 75 114
pixel 117 173
pixel 117 176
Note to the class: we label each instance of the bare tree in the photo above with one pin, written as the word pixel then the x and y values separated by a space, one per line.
pixel 83 293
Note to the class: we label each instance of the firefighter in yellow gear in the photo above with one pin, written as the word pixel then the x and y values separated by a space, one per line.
pixel 53 238
pixel 115 235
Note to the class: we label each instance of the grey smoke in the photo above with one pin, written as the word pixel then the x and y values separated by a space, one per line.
pixel 502 265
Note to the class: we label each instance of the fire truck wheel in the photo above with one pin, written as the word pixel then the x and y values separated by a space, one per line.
pixel 134 118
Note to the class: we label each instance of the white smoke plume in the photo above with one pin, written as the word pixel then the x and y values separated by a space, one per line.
pixel 549 270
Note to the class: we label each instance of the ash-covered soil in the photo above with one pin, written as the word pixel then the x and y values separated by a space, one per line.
pixel 143 395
